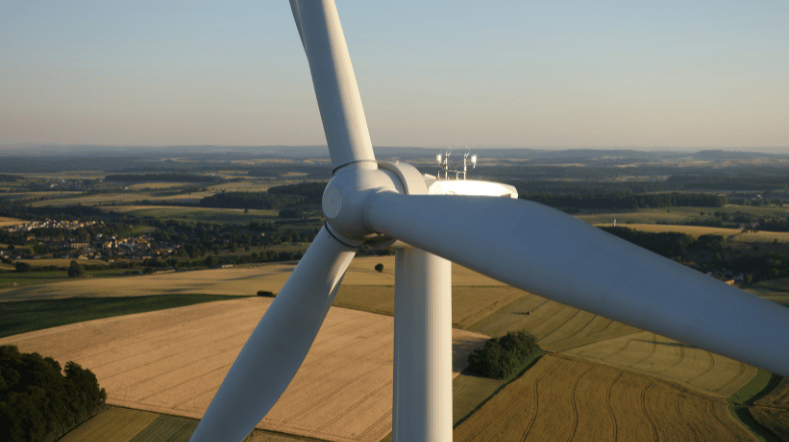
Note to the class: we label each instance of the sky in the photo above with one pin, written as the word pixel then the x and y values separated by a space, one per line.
pixel 690 74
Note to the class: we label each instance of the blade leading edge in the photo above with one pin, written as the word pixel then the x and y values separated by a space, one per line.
pixel 277 347
pixel 335 83
pixel 549 253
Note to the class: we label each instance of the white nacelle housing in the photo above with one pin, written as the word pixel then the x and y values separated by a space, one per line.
pixel 469 187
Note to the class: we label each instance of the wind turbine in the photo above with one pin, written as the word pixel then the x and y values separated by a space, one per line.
pixel 521 243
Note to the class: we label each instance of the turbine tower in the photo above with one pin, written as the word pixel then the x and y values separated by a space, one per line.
pixel 432 222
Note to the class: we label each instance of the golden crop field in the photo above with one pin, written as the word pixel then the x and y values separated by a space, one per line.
pixel 565 329
pixel 651 354
pixel 157 185
pixel 172 362
pixel 556 326
pixel 6 221
pixel 563 398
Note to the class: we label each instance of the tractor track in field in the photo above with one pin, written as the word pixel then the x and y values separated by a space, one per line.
pixel 536 402
pixel 353 407
pixel 706 370
pixel 605 358
pixel 536 410
pixel 689 425
pixel 555 329
pixel 576 333
pixel 650 354
pixel 547 371
pixel 679 361
pixel 295 415
pixel 574 402
pixel 737 376
pixel 611 409
pixel 643 406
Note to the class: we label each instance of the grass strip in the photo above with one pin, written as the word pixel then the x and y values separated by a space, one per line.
pixel 743 399
pixel 26 316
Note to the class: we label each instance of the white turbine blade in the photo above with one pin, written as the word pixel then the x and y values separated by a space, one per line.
pixel 544 251
pixel 335 84
pixel 278 345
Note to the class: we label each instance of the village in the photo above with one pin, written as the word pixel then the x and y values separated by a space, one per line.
pixel 48 241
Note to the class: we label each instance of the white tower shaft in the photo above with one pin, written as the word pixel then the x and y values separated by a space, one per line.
pixel 422 401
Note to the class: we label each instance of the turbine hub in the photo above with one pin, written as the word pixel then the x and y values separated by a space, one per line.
pixel 345 196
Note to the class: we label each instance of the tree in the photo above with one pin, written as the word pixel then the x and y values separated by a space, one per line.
pixel 75 270
pixel 379 267
pixel 22 267
pixel 502 357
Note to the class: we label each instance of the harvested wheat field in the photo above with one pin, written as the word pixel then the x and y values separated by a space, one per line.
pixel 565 329
pixel 172 362
pixel 557 327
pixel 654 355
pixel 563 398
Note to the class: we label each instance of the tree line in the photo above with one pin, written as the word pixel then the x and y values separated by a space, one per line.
pixel 39 401
pixel 164 177
pixel 719 257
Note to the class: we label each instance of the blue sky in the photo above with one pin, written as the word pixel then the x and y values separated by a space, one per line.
pixel 671 74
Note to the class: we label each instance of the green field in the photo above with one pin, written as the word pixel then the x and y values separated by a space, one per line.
pixel 118 424
pixel 25 316
pixel 10 279
pixel 679 215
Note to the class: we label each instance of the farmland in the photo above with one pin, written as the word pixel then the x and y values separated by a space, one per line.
pixel 118 424
pixel 607 380
pixel 115 424
pixel 25 316
pixel 563 398
pixel 679 215
pixel 574 332
pixel 135 356
pixel 172 361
